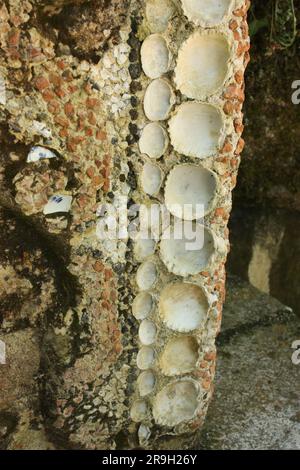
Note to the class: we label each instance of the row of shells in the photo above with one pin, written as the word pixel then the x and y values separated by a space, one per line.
pixel 173 316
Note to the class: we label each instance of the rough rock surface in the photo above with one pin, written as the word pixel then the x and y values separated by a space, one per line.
pixel 256 401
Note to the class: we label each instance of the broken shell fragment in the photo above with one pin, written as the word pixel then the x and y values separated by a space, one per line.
pixel 183 307
pixel 158 101
pixel 158 14
pixel 187 248
pixel 144 434
pixel 139 411
pixel 147 332
pixel 40 153
pixel 151 178
pixel 196 130
pixel 176 403
pixel 146 383
pixel 154 140
pixel 145 358
pixel 190 191
pixel 146 275
pixel 58 203
pixel 155 56
pixel 144 247
pixel 142 305
pixel 202 65
pixel 180 356
pixel 206 13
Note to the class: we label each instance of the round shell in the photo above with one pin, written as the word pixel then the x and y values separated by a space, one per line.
pixel 187 248
pixel 158 101
pixel 142 305
pixel 154 140
pixel 144 247
pixel 183 306
pixel 155 56
pixel 179 356
pixel 145 358
pixel 139 411
pixel 146 383
pixel 146 275
pixel 190 191
pixel 151 178
pixel 147 332
pixel 202 65
pixel 206 13
pixel 176 403
pixel 196 130
pixel 158 14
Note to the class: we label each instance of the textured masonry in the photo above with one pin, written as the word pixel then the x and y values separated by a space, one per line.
pixel 193 58
pixel 127 353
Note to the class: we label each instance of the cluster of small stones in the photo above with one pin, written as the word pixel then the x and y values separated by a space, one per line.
pixel 189 123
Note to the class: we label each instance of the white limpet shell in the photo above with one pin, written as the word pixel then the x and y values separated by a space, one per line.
pixel 159 99
pixel 183 306
pixel 155 56
pixel 176 403
pixel 180 356
pixel 40 153
pixel 187 248
pixel 145 358
pixel 190 191
pixel 58 203
pixel 146 275
pixel 144 247
pixel 144 433
pixel 139 411
pixel 146 383
pixel 147 332
pixel 158 14
pixel 202 65
pixel 206 13
pixel 154 140
pixel 142 305
pixel 151 178
pixel 196 130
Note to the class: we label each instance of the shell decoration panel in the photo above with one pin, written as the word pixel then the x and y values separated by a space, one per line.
pixel 188 112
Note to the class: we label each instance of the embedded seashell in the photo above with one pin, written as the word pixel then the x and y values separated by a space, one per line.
pixel 139 411
pixel 189 252
pixel 146 275
pixel 58 203
pixel 155 56
pixel 202 65
pixel 144 434
pixel 180 356
pixel 144 247
pixel 158 101
pixel 158 14
pixel 145 358
pixel 176 403
pixel 151 178
pixel 183 306
pixel 147 332
pixel 146 383
pixel 154 140
pixel 142 305
pixel 196 130
pixel 190 191
pixel 206 13
pixel 39 153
